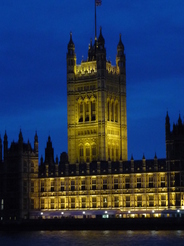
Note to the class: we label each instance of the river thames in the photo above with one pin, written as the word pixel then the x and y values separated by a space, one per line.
pixel 89 238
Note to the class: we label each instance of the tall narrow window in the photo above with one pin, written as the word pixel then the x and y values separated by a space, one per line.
pixel 116 183
pixel 83 202
pixel 81 154
pixel 62 203
pixel 112 111
pixel 83 184
pixel 2 204
pixel 42 203
pixel 116 112
pixel 139 201
pixel 32 186
pixel 52 204
pixel 151 182
pixel 72 185
pixel 87 153
pixel 94 202
pixel 116 201
pixel 117 154
pixel 109 152
pixel 93 184
pixel 62 186
pixel 104 184
pixel 72 202
pixel 108 110
pixel 93 111
pixel 94 152
pixel 81 112
pixel 105 202
pixel 42 186
pixel 87 111
pixel 112 153
pixel 52 186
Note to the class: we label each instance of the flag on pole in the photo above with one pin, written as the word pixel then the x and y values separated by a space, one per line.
pixel 98 2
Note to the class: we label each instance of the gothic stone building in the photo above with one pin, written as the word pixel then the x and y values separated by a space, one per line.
pixel 95 177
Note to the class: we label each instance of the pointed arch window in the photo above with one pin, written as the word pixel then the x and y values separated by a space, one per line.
pixel 117 153
pixel 93 152
pixel 81 154
pixel 108 110
pixel 112 111
pixel 113 153
pixel 109 152
pixel 87 111
pixel 116 112
pixel 93 110
pixel 87 153
pixel 80 112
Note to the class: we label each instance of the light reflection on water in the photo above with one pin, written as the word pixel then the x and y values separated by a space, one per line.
pixel 90 238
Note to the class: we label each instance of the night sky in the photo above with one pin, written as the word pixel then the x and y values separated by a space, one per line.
pixel 33 44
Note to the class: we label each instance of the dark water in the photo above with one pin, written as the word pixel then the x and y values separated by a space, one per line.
pixel 89 238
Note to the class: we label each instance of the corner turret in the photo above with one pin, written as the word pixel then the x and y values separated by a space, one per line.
pixel 71 57
pixel 36 143
pixel 101 52
pixel 167 126
pixel 120 57
pixel 49 153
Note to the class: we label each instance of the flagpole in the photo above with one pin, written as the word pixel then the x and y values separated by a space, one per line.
pixel 95 21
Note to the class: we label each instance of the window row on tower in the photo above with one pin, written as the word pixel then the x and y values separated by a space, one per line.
pixel 87 153
pixel 113 152
pixel 112 110
pixel 87 111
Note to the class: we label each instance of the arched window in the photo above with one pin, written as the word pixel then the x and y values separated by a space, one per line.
pixel 87 153
pixel 112 111
pixel 81 112
pixel 93 110
pixel 109 152
pixel 117 153
pixel 93 152
pixel 116 112
pixel 81 154
pixel 86 111
pixel 113 153
pixel 108 110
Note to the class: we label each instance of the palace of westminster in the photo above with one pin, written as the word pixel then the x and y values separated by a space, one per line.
pixel 94 178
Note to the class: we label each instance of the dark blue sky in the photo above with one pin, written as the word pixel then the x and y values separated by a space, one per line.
pixel 33 44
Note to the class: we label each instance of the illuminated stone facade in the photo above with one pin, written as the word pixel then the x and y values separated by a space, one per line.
pixel 96 97
pixel 95 177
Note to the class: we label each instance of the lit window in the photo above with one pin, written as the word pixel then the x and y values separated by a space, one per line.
pixel 52 186
pixel 72 185
pixel 42 186
pixel 2 204
pixel 93 111
pixel 62 203
pixel 62 186
pixel 87 154
pixel 72 202
pixel 112 111
pixel 52 204
pixel 116 112
pixel 32 186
